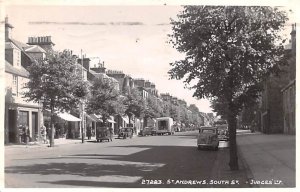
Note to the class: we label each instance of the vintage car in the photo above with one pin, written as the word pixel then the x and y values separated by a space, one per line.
pixel 147 131
pixel 208 137
pixel 223 133
pixel 104 133
pixel 125 132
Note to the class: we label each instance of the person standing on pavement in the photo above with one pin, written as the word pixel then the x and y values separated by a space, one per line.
pixel 44 134
pixel 48 133
pixel 26 134
pixel 111 133
pixel 89 132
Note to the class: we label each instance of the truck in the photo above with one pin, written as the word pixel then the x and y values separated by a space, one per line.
pixel 164 125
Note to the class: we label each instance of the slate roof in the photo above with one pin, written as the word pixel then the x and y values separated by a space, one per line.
pixel 21 71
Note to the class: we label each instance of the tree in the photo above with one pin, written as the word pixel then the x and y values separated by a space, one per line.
pixel 152 109
pixel 228 51
pixel 135 105
pixel 104 99
pixel 196 120
pixel 55 82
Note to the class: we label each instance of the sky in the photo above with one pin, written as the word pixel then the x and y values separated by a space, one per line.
pixel 131 38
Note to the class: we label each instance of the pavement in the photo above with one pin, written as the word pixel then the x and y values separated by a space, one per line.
pixel 270 159
pixel 57 143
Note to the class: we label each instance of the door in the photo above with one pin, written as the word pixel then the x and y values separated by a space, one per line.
pixel 12 127
pixel 24 121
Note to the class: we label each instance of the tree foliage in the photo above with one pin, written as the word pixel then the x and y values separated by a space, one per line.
pixel 104 99
pixel 195 117
pixel 229 50
pixel 153 109
pixel 55 82
pixel 135 104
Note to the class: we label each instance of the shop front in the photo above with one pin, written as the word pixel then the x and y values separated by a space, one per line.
pixel 19 118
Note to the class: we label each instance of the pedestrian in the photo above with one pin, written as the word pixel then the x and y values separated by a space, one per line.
pixel 48 133
pixel 89 132
pixel 111 133
pixel 21 134
pixel 26 134
pixel 44 134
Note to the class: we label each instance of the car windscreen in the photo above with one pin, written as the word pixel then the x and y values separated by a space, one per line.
pixel 208 131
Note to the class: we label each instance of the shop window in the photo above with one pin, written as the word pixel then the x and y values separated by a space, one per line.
pixel 23 118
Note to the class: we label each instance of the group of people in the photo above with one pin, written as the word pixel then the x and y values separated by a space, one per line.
pixel 24 134
pixel 45 134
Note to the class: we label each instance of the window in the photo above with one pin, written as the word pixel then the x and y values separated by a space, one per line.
pixel 23 118
pixel 208 131
pixel 15 85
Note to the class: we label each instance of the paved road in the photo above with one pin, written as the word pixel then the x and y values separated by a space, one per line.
pixel 152 161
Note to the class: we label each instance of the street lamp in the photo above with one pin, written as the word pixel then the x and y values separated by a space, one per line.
pixel 82 105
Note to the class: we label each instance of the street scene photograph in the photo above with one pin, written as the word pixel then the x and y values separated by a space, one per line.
pixel 158 95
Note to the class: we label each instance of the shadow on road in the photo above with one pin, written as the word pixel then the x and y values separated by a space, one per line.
pixel 161 163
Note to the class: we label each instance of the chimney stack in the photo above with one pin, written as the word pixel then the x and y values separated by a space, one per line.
pixel 8 30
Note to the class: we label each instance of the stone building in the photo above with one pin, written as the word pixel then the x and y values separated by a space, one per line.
pixel 289 90
pixel 19 113
pixel 277 105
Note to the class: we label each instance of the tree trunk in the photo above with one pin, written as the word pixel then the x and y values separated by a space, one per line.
pixel 145 121
pixel 233 162
pixel 52 127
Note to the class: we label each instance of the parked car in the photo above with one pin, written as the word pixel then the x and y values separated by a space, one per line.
pixel 104 133
pixel 223 133
pixel 147 131
pixel 208 137
pixel 125 132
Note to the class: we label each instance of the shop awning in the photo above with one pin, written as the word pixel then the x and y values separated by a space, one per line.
pixel 97 117
pixel 111 121
pixel 68 117
pixel 125 119
pixel 91 117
